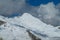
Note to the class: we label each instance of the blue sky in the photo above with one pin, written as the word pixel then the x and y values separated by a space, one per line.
pixel 38 2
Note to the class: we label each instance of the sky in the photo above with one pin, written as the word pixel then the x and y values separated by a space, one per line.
pixel 47 11
pixel 16 7
pixel 38 2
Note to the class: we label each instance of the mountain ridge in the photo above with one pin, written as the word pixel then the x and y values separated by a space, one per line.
pixel 18 25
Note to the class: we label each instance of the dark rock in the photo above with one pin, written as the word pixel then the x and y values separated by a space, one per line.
pixel 33 37
pixel 1 38
pixel 2 22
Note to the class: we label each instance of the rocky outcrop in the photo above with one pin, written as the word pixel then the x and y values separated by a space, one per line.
pixel 2 22
pixel 33 37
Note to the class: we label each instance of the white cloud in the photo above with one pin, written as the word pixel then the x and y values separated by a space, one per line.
pixel 49 14
pixel 8 7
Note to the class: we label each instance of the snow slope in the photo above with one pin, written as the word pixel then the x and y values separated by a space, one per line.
pixel 9 31
pixel 37 25
pixel 17 26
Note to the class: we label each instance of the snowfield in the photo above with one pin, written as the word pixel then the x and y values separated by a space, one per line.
pixel 15 28
pixel 11 32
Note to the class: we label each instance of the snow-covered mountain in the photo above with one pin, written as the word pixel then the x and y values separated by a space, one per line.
pixel 8 31
pixel 16 28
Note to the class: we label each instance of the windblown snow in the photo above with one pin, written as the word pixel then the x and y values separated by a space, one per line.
pixel 15 28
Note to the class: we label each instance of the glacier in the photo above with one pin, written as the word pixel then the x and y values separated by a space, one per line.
pixel 15 28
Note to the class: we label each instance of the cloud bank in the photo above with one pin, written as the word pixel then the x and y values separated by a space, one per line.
pixel 9 7
pixel 50 14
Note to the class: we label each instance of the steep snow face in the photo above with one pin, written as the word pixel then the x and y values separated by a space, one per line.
pixel 12 29
pixel 9 31
pixel 38 26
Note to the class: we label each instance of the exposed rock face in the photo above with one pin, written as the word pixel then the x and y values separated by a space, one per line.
pixel 33 37
pixel 2 22
pixel 1 38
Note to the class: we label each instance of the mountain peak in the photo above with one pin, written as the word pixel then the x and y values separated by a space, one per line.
pixel 16 28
